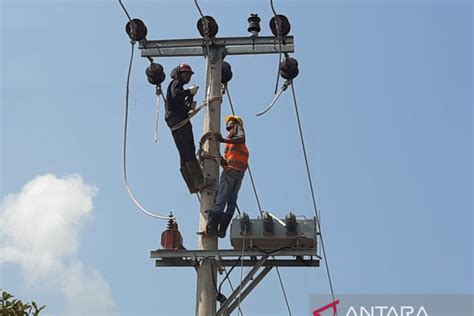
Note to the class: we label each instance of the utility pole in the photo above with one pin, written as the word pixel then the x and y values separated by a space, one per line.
pixel 214 51
pixel 206 272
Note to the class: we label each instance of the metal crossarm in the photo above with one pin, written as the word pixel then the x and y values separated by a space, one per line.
pixel 229 257
pixel 233 46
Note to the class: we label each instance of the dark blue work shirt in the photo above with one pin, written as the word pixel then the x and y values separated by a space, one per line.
pixel 176 107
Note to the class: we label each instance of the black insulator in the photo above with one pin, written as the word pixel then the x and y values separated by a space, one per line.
pixel 268 225
pixel 155 74
pixel 291 224
pixel 226 72
pixel 289 76
pixel 285 26
pixel 211 25
pixel 139 30
pixel 289 68
pixel 254 24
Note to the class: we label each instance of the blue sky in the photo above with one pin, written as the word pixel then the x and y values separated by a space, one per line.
pixel 385 94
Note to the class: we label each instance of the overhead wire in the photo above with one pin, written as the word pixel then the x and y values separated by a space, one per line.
pixel 258 204
pixel 199 8
pixel 313 196
pixel 241 268
pixel 250 171
pixel 278 27
pixel 127 97
pixel 227 277
pixel 283 290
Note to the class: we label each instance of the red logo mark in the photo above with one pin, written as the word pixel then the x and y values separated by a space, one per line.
pixel 330 305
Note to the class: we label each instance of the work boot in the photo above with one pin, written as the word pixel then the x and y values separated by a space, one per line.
pixel 212 222
pixel 189 181
pixel 196 174
pixel 225 221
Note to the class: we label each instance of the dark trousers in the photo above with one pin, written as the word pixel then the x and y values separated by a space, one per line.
pixel 184 140
pixel 229 187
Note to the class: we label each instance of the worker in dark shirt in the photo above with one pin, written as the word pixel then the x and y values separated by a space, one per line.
pixel 179 102
pixel 235 163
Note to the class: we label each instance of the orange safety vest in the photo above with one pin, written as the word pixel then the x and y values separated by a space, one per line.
pixel 237 156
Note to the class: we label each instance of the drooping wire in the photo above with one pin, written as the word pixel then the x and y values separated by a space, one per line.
pixel 232 289
pixel 127 97
pixel 258 204
pixel 227 277
pixel 313 196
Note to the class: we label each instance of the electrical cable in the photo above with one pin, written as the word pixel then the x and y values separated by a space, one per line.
pixel 250 171
pixel 199 8
pixel 256 198
pixel 241 268
pixel 312 191
pixel 278 27
pixel 232 289
pixel 270 252
pixel 127 93
pixel 228 274
pixel 126 12
pixel 283 290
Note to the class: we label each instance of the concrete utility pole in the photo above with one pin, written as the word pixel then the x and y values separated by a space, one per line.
pixel 206 273
pixel 218 48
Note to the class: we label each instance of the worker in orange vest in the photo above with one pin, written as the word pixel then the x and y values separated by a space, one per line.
pixel 235 163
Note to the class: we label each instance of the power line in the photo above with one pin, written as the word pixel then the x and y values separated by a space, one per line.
pixel 283 289
pixel 278 27
pixel 313 197
pixel 259 206
pixel 250 171
pixel 127 97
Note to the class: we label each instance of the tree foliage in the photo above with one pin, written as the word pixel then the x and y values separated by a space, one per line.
pixel 9 306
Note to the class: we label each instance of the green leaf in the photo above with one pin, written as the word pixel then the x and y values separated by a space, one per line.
pixel 6 295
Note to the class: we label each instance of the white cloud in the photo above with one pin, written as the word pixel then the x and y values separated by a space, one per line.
pixel 40 231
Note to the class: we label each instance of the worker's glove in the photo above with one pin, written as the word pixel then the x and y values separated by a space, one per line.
pixel 223 162
pixel 218 137
pixel 193 89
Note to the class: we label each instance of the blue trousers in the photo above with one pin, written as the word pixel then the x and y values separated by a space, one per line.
pixel 229 186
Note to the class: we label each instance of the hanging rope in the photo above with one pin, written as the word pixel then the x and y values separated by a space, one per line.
pixel 127 97
pixel 192 113
pixel 313 196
